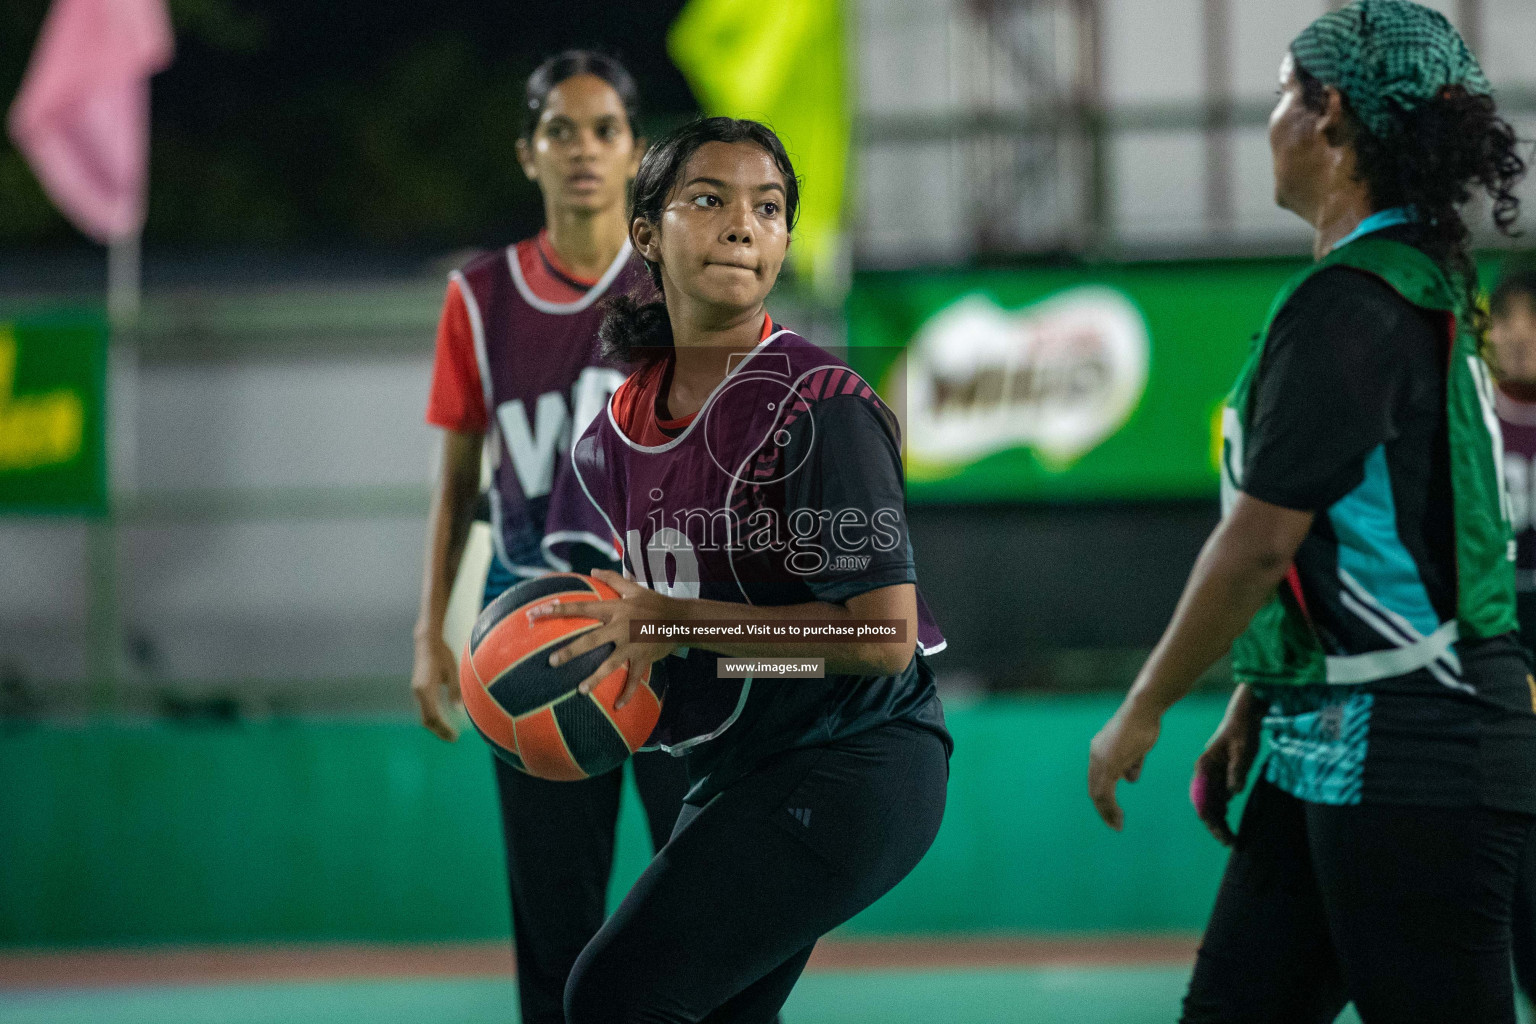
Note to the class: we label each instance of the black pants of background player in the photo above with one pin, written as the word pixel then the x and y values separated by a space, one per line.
pixel 1404 911
pixel 1524 923
pixel 1524 918
pixel 559 840
pixel 722 923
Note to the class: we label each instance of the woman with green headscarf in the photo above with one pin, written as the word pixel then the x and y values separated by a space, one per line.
pixel 1361 575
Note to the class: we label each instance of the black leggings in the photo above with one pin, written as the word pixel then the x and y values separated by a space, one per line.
pixel 721 924
pixel 559 841
pixel 1405 911
pixel 1524 921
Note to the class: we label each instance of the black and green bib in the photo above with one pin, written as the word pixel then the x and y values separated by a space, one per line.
pixel 1378 579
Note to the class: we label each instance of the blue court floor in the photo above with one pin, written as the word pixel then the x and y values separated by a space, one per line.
pixel 1005 996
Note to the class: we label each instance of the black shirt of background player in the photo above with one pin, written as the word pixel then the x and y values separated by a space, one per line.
pixel 1349 366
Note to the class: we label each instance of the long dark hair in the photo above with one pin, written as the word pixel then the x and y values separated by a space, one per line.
pixel 569 64
pixel 1431 159
pixel 640 331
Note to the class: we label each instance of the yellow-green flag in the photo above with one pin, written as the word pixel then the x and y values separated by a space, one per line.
pixel 781 62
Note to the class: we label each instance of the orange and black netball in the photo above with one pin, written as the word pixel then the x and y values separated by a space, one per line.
pixel 531 714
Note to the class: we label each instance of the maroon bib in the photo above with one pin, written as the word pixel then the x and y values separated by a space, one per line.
pixel 699 516
pixel 544 380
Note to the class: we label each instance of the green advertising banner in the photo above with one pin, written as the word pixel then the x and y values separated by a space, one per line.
pixel 53 385
pixel 1062 383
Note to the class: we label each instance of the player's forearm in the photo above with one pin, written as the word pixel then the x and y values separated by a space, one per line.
pixel 452 512
pixel 447 532
pixel 1244 560
pixel 842 657
pixel 1217 605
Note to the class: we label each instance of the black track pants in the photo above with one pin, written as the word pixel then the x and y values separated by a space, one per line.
pixel 721 924
pixel 1524 922
pixel 1403 910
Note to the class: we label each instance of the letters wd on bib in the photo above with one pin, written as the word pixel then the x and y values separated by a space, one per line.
pixel 535 420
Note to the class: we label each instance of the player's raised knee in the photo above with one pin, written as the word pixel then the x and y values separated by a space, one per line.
pixel 595 994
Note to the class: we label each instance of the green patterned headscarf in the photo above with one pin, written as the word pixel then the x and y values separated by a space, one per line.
pixel 1385 55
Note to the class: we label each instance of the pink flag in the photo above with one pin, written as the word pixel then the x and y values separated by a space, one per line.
pixel 82 115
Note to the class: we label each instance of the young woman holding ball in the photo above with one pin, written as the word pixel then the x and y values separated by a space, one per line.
pixel 750 476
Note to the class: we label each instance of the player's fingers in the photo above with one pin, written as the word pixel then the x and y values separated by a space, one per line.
pixel 631 684
pixel 431 714
pixel 1214 815
pixel 1200 786
pixel 1216 824
pixel 556 608
pixel 584 642
pixel 1210 800
pixel 1101 790
pixel 449 678
pixel 1109 809
pixel 1223 832
pixel 1237 773
pixel 545 610
pixel 1133 770
pixel 610 665
pixel 616 581
pixel 1209 767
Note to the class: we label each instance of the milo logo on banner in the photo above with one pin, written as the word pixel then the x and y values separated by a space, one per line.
pixel 1058 377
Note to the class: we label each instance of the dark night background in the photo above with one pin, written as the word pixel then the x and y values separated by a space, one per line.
pixel 345 123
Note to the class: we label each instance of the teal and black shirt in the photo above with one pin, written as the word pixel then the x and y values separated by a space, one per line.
pixel 1380 691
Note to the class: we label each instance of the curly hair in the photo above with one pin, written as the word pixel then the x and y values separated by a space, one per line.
pixel 634 330
pixel 1431 159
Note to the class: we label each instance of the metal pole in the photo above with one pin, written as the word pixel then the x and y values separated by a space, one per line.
pixel 123 281
pixel 124 288
pixel 1469 19
pixel 1089 104
pixel 989 220
pixel 1217 26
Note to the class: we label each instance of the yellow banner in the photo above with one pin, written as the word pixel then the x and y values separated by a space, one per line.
pixel 781 62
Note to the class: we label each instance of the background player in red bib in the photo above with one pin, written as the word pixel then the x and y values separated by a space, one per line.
pixel 1511 352
pixel 518 372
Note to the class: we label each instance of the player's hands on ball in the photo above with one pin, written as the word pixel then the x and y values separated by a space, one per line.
pixel 435 667
pixel 614 617
pixel 1221 771
pixel 1118 752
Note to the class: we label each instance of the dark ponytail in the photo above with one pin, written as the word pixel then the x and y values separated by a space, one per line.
pixel 635 331
pixel 1431 158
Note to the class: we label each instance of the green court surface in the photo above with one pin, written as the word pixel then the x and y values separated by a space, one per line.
pixel 1010 996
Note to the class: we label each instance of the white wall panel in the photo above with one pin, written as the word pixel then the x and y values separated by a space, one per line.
pixel 309 423
pixel 1152 51
pixel 1158 185
pixel 42 568
pixel 1509 43
pixel 1262 30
